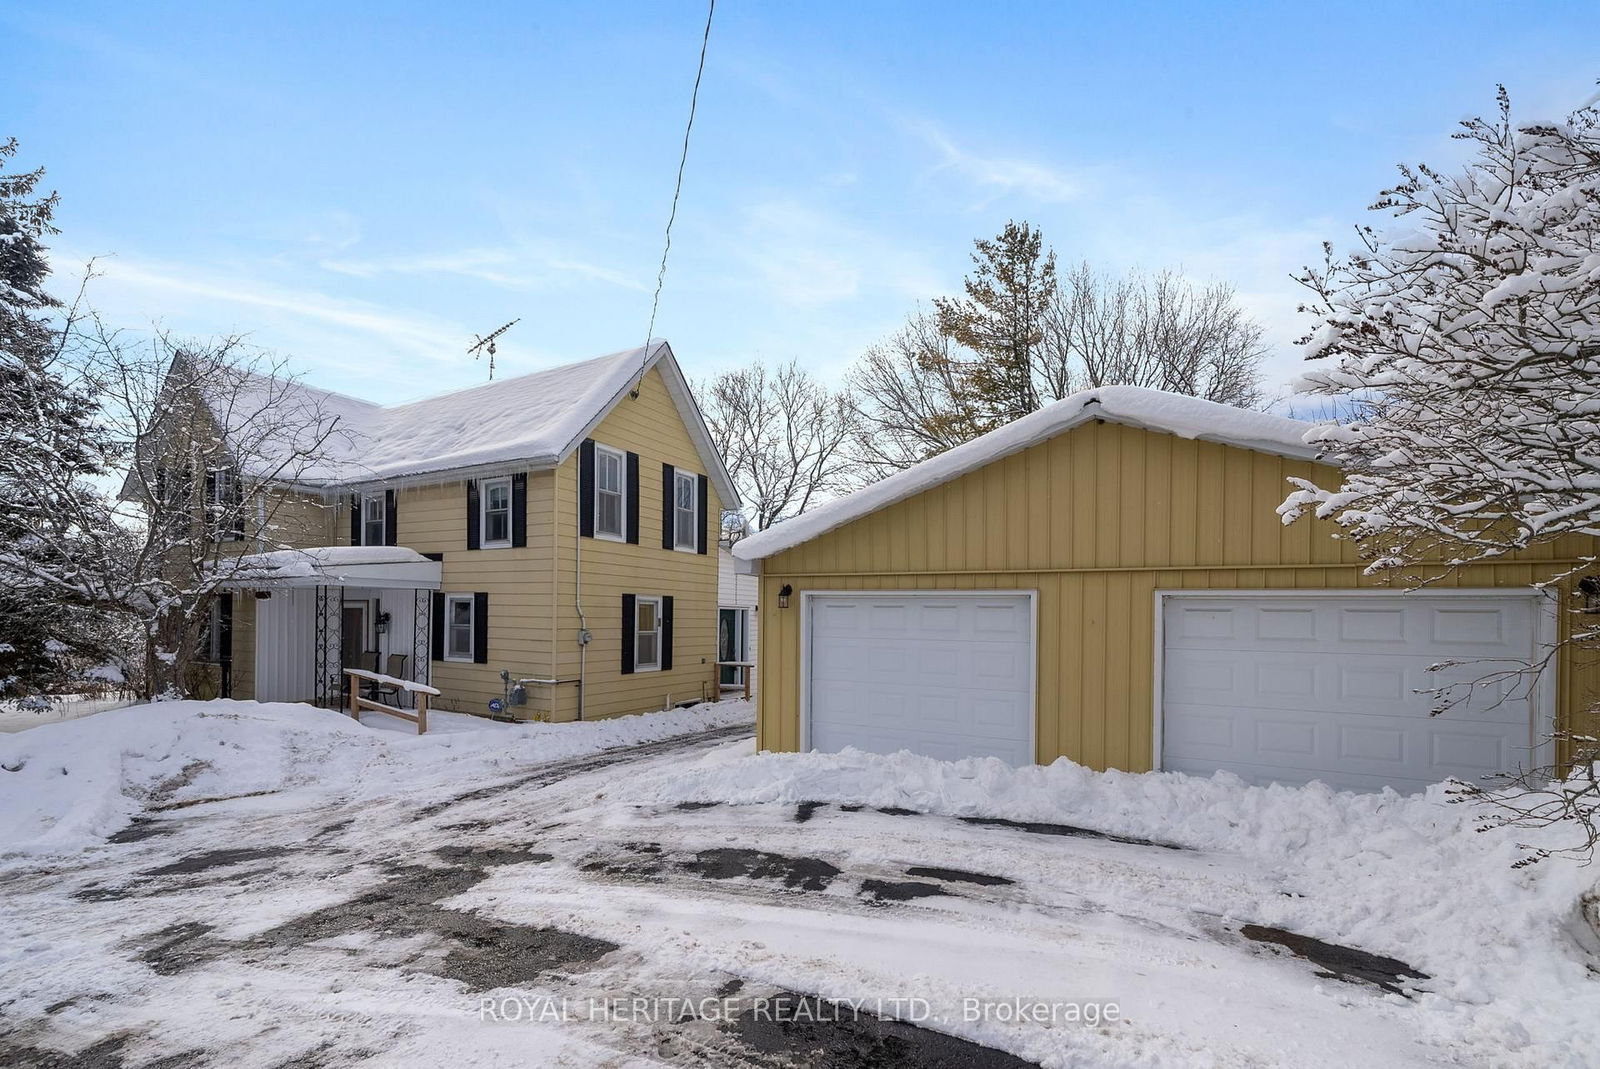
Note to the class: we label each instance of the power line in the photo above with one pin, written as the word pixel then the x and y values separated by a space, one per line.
pixel 677 190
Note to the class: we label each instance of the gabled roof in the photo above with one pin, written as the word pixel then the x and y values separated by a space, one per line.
pixel 537 420
pixel 1156 410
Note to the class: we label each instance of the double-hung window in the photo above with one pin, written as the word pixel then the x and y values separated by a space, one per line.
pixel 646 634
pixel 372 519
pixel 685 511
pixel 222 499
pixel 610 492
pixel 495 521
pixel 458 636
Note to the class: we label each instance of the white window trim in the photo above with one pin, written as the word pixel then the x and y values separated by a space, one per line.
pixel 622 493
pixel 694 506
pixel 383 523
pixel 483 514
pixel 472 627
pixel 224 486
pixel 638 600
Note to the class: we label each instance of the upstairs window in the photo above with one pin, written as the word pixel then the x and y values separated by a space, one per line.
pixel 495 501
pixel 224 505
pixel 372 519
pixel 610 492
pixel 685 511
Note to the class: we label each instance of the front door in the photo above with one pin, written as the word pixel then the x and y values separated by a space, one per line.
pixel 353 633
pixel 732 643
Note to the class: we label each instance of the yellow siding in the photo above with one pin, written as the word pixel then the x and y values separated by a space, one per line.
pixel 533 619
pixel 650 426
pixel 1109 514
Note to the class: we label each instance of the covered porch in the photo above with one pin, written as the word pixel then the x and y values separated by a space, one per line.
pixel 321 610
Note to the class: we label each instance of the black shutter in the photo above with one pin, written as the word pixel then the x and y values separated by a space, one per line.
pixel 355 519
pixel 438 626
pixel 236 502
pixel 225 642
pixel 666 632
pixel 209 508
pixel 519 509
pixel 473 539
pixel 705 521
pixel 480 628
pixel 669 502
pixel 628 620
pixel 633 498
pixel 390 515
pixel 586 488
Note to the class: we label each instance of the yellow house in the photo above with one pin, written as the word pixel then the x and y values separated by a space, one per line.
pixel 536 546
pixel 1107 580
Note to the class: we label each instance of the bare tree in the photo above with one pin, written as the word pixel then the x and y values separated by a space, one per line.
pixel 217 437
pixel 910 400
pixel 786 438
pixel 1160 331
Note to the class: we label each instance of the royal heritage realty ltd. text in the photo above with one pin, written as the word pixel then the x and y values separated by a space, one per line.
pixel 792 1008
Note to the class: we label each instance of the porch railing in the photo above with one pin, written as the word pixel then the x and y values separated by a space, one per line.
pixel 420 693
pixel 748 670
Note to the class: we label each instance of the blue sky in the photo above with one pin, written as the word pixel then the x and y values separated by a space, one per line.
pixel 363 187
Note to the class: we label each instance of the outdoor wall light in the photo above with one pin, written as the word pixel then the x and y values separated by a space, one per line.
pixel 783 596
pixel 1589 587
pixel 382 626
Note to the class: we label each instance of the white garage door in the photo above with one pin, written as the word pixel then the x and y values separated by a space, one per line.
pixel 947 675
pixel 1292 689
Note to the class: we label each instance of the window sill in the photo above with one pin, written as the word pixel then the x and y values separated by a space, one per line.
pixel 686 549
pixel 458 660
pixel 610 538
pixel 494 545
pixel 647 668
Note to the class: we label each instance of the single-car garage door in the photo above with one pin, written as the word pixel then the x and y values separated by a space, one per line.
pixel 949 675
pixel 1294 688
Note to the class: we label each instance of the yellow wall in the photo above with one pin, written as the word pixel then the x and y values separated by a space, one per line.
pixel 649 426
pixel 1096 520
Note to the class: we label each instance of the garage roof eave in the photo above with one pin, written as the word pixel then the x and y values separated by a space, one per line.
pixel 1155 410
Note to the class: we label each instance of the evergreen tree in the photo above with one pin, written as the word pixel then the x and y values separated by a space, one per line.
pixel 49 446
pixel 1001 321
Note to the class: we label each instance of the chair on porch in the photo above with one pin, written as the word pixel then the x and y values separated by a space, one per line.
pixel 397 669
pixel 367 661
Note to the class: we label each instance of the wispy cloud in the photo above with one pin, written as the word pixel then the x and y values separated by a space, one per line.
pixel 519 269
pixel 1000 176
pixel 808 255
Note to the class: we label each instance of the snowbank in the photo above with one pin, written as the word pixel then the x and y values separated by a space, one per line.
pixel 1410 876
pixel 64 785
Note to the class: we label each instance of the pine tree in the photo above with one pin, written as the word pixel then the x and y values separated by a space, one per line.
pixel 1001 321
pixel 49 446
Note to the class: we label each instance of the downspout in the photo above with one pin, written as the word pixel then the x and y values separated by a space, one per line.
pixel 583 623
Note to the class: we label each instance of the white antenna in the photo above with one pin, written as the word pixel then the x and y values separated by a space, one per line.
pixel 485 344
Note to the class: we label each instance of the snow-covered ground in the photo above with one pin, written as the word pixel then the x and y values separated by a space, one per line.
pixel 250 884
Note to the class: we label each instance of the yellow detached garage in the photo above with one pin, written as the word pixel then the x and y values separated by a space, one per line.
pixel 1107 580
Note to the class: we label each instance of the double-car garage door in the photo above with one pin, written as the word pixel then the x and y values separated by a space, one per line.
pixel 1271 687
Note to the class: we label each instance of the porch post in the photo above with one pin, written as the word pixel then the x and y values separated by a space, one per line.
pixel 328 652
pixel 421 636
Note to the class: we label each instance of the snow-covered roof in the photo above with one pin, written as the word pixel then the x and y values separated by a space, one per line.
pixel 1156 410
pixel 536 419
pixel 379 566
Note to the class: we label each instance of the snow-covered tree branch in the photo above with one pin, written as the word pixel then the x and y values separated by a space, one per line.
pixel 1463 348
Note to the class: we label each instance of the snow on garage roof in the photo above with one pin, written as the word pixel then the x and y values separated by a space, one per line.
pixel 538 419
pixel 1156 410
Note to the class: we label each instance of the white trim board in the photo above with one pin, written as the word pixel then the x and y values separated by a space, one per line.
pixel 1543 698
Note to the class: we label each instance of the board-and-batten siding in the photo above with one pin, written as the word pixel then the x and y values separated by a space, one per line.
pixel 1096 520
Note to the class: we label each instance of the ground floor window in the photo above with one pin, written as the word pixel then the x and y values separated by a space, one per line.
pixel 646 634
pixel 458 637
